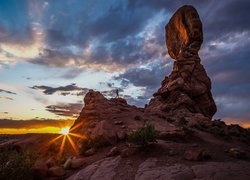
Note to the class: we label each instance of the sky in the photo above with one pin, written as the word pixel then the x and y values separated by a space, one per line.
pixel 53 52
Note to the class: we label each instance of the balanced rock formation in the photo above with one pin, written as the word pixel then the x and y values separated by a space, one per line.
pixel 187 91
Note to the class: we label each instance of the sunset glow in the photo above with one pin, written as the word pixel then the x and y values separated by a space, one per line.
pixel 65 131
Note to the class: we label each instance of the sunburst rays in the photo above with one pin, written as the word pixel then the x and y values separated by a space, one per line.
pixel 67 140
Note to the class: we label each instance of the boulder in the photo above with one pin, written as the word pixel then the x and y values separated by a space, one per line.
pixel 113 151
pixel 196 154
pixel 104 169
pixel 56 171
pixel 77 163
pixel 237 153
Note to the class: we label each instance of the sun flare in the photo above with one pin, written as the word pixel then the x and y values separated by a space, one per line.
pixel 65 131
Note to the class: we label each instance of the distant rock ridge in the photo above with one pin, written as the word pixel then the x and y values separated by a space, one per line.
pixel 185 93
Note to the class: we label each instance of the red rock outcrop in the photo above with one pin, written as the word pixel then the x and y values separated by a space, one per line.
pixel 103 119
pixel 187 91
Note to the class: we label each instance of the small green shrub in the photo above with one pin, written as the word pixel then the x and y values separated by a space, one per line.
pixel 182 121
pixel 16 165
pixel 144 135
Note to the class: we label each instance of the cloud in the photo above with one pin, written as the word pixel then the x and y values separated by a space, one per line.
pixel 71 109
pixel 72 73
pixel 149 76
pixel 8 92
pixel 62 90
pixel 33 124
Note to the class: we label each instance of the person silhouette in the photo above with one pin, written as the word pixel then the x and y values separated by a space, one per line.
pixel 117 93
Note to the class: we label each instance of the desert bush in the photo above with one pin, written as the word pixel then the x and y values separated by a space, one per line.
pixel 144 135
pixel 16 165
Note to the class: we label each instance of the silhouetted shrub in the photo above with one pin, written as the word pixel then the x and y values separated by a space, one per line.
pixel 144 135
pixel 16 165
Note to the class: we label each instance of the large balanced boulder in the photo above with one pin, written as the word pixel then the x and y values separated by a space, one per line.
pixel 184 29
pixel 187 91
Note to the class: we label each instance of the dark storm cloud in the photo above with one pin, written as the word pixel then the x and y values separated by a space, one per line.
pixel 146 77
pixel 119 22
pixel 56 58
pixel 68 110
pixel 230 77
pixel 33 124
pixel 226 18
pixel 71 89
pixel 5 91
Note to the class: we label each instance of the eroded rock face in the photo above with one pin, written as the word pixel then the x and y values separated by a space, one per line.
pixel 188 88
pixel 108 121
pixel 99 117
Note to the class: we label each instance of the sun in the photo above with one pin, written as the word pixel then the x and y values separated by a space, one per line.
pixel 65 131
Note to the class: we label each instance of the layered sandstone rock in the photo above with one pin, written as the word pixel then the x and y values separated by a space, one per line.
pixel 108 121
pixel 105 119
pixel 187 91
